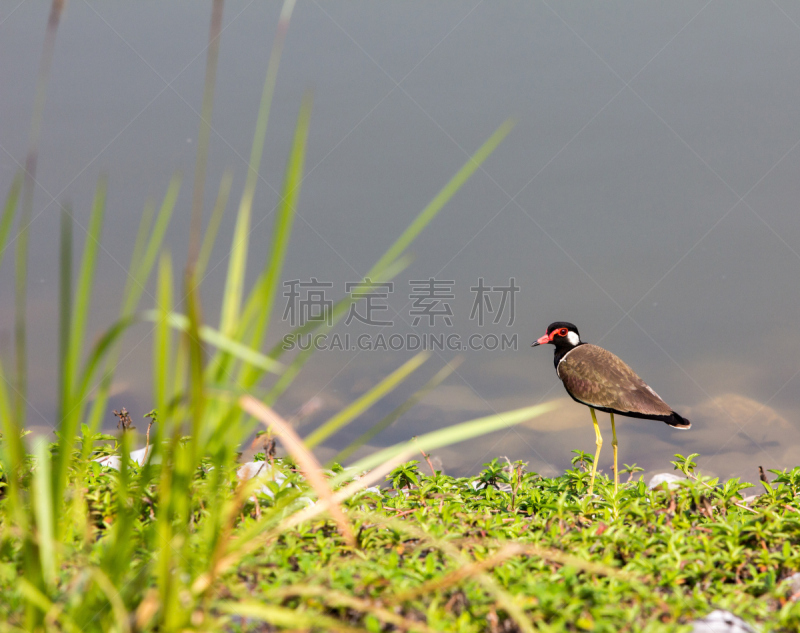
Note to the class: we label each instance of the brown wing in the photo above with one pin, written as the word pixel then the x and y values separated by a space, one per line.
pixel 600 379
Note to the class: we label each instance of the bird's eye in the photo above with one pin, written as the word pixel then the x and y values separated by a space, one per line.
pixel 562 331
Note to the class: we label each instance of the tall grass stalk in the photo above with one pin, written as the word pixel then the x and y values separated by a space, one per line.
pixel 21 300
pixel 238 256
pixel 204 134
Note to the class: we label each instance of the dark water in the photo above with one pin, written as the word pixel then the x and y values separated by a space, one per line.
pixel 648 193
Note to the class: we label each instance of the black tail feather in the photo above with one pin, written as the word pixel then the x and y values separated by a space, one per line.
pixel 678 422
pixel 674 420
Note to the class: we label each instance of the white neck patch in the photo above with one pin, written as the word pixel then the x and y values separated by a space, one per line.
pixel 573 338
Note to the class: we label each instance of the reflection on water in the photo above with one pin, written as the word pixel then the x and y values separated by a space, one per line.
pixel 648 194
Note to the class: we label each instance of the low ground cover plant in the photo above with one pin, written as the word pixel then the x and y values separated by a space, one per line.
pixel 505 550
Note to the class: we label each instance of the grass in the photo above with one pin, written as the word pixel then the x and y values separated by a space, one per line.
pixel 505 550
pixel 444 553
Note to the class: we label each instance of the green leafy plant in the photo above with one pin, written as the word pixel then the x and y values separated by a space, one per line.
pixel 405 476
pixel 582 460
pixel 493 474
pixel 631 470
pixel 685 464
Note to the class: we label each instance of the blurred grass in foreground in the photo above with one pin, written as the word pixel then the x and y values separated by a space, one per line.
pixel 152 546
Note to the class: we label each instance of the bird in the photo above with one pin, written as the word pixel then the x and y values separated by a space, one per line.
pixel 601 380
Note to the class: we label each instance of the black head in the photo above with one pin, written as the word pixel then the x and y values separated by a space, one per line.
pixel 561 334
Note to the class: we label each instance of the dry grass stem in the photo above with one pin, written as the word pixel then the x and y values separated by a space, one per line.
pixel 308 464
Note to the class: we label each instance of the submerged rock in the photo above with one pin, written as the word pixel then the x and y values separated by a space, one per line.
pixel 720 621
pixel 672 481
pixel 115 461
pixel 250 470
pixel 792 584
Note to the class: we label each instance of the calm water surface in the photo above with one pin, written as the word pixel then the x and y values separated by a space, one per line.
pixel 648 193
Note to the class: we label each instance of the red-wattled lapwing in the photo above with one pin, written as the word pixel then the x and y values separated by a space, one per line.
pixel 600 380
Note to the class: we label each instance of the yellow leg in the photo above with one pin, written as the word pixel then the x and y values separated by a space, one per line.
pixel 614 444
pixel 599 444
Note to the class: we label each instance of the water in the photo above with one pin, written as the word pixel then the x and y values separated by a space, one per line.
pixel 648 193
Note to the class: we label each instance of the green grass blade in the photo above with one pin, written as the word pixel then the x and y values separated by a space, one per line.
pixel 12 447
pixel 204 134
pixel 80 314
pixel 341 307
pixel 13 454
pixel 284 617
pixel 65 308
pixel 43 507
pixel 339 310
pixel 214 221
pixel 112 594
pixel 135 285
pixel 197 387
pixel 259 305
pixel 237 264
pixel 44 607
pixel 96 355
pixel 284 218
pixel 378 271
pixel 9 209
pixel 21 318
pixel 7 423
pixel 123 489
pixel 142 234
pixel 83 290
pixel 179 378
pixel 238 257
pixel 390 419
pixel 29 186
pixel 454 434
pixel 356 408
pixel 162 340
pixel 217 339
pixel 442 198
